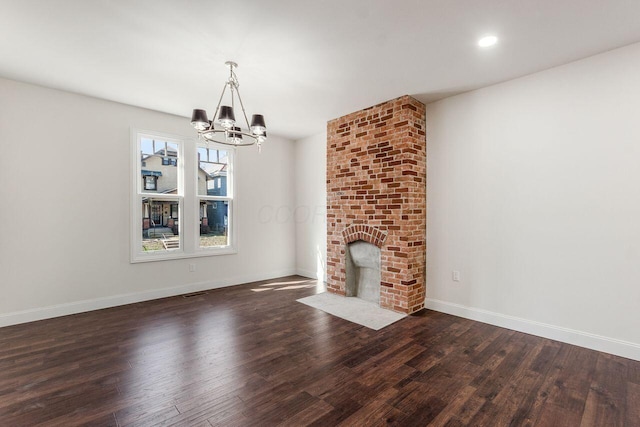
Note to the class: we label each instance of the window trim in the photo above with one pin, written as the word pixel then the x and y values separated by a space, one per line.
pixel 187 197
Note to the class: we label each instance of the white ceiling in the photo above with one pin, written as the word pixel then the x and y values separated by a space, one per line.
pixel 301 62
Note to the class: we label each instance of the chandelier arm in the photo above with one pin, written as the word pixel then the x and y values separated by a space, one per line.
pixel 233 98
pixel 244 113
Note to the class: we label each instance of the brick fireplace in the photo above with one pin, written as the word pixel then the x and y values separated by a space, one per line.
pixel 376 192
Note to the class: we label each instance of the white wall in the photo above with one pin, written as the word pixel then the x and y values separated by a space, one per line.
pixel 311 205
pixel 533 193
pixel 64 186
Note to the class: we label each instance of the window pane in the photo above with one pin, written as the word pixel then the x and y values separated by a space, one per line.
pixel 158 162
pixel 214 223
pixel 160 222
pixel 202 154
pixel 146 146
pixel 212 172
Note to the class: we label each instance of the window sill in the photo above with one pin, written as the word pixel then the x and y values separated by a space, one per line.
pixel 200 253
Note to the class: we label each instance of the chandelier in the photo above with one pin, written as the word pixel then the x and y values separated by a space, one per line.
pixel 223 128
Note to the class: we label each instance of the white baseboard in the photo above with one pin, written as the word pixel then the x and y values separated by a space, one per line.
pixel 626 349
pixel 66 309
pixel 307 273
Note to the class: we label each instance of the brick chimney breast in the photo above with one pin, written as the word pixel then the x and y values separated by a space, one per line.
pixel 376 192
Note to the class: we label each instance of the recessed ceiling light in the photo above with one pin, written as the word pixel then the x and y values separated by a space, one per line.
pixel 487 41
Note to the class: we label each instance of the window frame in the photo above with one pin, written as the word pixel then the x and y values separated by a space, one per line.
pixel 186 195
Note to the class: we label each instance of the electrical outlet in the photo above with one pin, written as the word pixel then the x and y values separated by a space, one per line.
pixel 455 275
pixel 192 267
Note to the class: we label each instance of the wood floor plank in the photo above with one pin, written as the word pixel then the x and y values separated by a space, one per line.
pixel 149 418
pixel 454 407
pixel 340 412
pixel 374 414
pixel 632 414
pixel 607 398
pixel 521 385
pixel 330 381
pixel 535 393
pixel 467 411
pixel 426 411
pixel 140 410
pixel 573 372
pixel 237 357
pixel 308 415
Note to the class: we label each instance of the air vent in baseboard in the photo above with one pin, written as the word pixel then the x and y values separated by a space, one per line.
pixel 194 294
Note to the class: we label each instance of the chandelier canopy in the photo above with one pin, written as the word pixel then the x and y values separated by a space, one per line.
pixel 223 128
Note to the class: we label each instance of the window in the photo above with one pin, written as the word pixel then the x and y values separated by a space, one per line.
pixel 169 161
pixel 150 182
pixel 214 195
pixel 157 199
pixel 175 215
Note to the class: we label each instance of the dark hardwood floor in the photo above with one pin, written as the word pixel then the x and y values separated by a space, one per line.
pixel 251 355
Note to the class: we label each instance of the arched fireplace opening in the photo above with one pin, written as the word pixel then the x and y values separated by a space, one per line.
pixel 363 271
